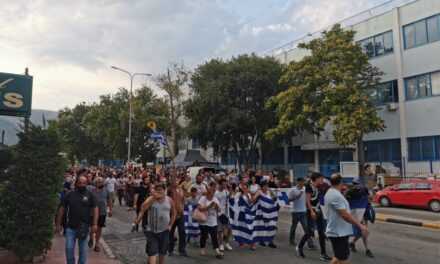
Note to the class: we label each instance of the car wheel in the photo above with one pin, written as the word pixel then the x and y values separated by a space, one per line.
pixel 384 201
pixel 434 205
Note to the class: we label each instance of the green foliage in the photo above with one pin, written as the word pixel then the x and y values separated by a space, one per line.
pixel 100 130
pixel 29 199
pixel 172 83
pixel 330 86
pixel 227 110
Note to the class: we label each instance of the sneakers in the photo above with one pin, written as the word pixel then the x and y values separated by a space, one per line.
pixel 228 247
pixel 202 252
pixel 222 248
pixel 369 254
pixel 218 253
pixel 262 244
pixel 97 249
pixel 325 257
pixel 183 254
pixel 299 252
pixel 352 247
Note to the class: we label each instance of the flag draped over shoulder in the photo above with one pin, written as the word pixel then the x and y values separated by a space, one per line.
pixel 266 219
pixel 241 217
pixel 191 226
pixel 253 223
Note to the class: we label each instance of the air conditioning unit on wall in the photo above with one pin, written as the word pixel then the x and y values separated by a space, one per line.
pixel 392 107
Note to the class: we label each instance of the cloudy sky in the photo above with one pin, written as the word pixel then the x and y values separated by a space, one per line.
pixel 70 45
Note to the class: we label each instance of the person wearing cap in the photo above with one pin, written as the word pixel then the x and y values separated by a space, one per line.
pixel 297 196
pixel 358 197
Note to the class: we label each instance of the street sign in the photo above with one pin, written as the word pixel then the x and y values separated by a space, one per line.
pixel 15 94
pixel 152 125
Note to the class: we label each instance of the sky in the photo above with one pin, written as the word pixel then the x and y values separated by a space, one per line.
pixel 69 46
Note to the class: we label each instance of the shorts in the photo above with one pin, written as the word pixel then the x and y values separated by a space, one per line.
pixel 157 243
pixel 358 214
pixel 340 247
pixel 101 220
pixel 223 222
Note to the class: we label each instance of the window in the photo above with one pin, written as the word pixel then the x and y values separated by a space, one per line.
pixel 424 148
pixel 410 36
pixel 424 85
pixel 384 93
pixel 368 47
pixel 382 150
pixel 422 32
pixel 423 186
pixel 378 45
pixel 435 83
pixel 434 28
pixel 405 186
pixel 388 42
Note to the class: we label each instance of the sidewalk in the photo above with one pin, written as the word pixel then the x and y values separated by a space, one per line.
pixel 407 221
pixel 56 255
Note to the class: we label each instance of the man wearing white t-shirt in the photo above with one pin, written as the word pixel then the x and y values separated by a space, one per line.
pixel 224 229
pixel 110 184
pixel 210 205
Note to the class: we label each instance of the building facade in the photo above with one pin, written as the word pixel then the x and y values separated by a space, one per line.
pixel 402 38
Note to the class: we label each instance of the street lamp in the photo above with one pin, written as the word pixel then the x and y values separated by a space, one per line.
pixel 130 117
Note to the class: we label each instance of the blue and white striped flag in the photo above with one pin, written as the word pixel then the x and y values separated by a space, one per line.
pixel 192 229
pixel 242 216
pixel 266 219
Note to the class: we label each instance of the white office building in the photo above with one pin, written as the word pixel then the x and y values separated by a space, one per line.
pixel 402 38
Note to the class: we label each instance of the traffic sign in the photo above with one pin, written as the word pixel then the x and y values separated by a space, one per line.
pixel 15 94
pixel 152 125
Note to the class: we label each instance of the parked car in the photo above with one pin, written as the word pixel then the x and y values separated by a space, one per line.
pixel 420 193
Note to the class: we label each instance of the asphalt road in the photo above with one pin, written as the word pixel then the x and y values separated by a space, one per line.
pixel 390 243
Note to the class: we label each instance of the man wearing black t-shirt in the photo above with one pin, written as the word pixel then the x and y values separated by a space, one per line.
pixel 141 194
pixel 315 217
pixel 79 206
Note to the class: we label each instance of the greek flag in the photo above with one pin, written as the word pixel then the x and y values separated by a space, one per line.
pixel 242 216
pixel 252 223
pixel 191 226
pixel 266 219
pixel 160 137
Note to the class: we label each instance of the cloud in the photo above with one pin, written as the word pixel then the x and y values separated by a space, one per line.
pixel 69 45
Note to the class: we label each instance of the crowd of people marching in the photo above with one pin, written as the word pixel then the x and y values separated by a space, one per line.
pixel 223 207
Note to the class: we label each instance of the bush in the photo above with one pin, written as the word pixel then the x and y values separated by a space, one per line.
pixel 29 198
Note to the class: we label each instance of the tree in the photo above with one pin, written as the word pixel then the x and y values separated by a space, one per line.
pixel 329 87
pixel 99 130
pixel 172 83
pixel 226 110
pixel 29 198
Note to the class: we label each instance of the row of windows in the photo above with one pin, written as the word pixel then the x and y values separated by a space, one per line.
pixel 419 149
pixel 382 150
pixel 415 34
pixel 422 32
pixel 378 45
pixel 424 148
pixel 383 93
pixel 424 85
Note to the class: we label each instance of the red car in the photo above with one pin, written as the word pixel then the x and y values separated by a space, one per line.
pixel 421 193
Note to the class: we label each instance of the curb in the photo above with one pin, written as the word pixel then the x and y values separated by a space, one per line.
pixel 390 219
pixel 108 251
